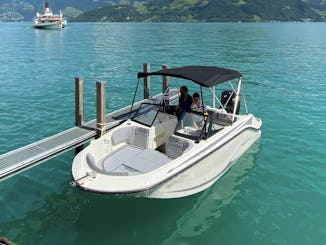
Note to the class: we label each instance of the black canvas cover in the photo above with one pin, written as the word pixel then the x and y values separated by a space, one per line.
pixel 206 76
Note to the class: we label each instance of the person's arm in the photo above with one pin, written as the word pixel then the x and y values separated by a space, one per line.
pixel 177 108
pixel 178 105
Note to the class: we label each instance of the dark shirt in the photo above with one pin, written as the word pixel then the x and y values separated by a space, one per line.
pixel 185 105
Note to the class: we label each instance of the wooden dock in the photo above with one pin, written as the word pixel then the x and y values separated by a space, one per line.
pixel 26 157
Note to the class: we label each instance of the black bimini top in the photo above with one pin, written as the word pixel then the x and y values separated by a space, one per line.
pixel 206 76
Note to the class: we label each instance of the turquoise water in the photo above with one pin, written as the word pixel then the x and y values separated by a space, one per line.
pixel 275 194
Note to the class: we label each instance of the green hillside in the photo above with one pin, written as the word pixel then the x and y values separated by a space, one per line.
pixel 25 10
pixel 210 11
pixel 169 10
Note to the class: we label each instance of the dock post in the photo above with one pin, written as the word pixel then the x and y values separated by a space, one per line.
pixel 165 87
pixel 147 84
pixel 79 107
pixel 100 107
pixel 79 101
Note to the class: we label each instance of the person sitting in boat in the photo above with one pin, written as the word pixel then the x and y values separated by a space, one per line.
pixel 196 103
pixel 185 102
pixel 197 107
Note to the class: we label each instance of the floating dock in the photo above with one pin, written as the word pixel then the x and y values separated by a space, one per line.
pixel 26 157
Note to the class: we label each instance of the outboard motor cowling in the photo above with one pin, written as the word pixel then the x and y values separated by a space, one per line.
pixel 228 101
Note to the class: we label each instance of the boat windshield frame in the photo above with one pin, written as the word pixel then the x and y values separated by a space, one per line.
pixel 143 115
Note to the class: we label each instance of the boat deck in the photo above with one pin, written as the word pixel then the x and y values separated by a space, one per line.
pixel 132 160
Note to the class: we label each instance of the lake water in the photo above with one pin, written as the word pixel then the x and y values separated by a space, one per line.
pixel 275 194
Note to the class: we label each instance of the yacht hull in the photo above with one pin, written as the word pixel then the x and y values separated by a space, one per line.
pixel 49 26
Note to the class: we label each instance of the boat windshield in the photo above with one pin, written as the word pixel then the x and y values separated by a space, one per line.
pixel 147 114
pixel 191 125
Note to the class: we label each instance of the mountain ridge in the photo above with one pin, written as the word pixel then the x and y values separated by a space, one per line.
pixel 210 11
pixel 169 10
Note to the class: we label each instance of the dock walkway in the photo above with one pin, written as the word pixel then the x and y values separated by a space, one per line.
pixel 23 158
pixel 28 156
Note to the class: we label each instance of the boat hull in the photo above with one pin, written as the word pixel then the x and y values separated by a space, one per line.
pixel 49 25
pixel 190 174
pixel 206 171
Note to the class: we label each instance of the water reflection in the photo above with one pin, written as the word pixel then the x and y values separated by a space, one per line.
pixel 208 208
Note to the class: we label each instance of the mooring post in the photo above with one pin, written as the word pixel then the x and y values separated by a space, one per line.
pixel 165 87
pixel 100 106
pixel 79 107
pixel 147 84
pixel 79 101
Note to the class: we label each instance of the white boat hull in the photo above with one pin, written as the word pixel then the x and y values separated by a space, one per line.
pixel 206 171
pixel 191 173
pixel 57 25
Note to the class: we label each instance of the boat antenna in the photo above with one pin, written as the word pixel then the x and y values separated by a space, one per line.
pixel 133 100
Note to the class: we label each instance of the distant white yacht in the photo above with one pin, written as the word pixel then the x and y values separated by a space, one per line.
pixel 48 20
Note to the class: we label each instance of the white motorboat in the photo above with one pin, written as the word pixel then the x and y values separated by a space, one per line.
pixel 154 154
pixel 48 20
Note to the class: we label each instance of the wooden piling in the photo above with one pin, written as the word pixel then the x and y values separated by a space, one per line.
pixel 79 101
pixel 147 86
pixel 100 105
pixel 165 87
pixel 79 107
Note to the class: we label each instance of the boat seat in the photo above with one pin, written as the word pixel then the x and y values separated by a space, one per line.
pixel 92 163
pixel 146 161
pixel 136 136
pixel 141 138
pixel 123 135
pixel 90 160
pixel 132 160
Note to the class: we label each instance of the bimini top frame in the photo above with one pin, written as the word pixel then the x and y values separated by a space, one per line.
pixel 206 76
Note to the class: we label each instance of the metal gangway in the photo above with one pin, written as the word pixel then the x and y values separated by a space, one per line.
pixel 21 159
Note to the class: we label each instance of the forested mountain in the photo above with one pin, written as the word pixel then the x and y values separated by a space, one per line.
pixel 170 10
pixel 25 10
pixel 211 10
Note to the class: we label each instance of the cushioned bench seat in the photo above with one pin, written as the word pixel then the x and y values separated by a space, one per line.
pixel 133 160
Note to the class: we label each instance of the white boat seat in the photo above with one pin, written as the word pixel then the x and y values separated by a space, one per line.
pixel 123 135
pixel 141 137
pixel 132 136
pixel 131 160
pixel 113 163
pixel 92 163
pixel 146 161
pixel 90 160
